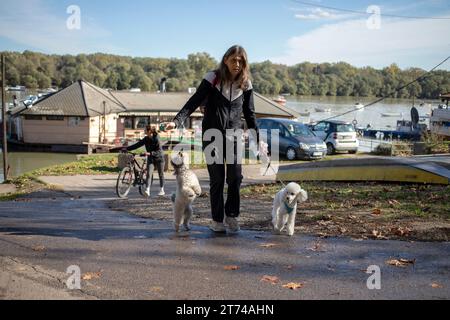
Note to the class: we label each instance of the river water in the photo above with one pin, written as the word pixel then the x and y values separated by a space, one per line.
pixel 370 115
pixel 22 162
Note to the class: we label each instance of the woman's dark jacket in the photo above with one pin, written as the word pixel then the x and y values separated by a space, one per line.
pixel 224 105
pixel 152 145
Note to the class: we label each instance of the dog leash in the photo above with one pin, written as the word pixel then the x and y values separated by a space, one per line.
pixel 270 166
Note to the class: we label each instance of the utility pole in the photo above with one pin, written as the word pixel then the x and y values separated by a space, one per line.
pixel 5 141
pixel 104 122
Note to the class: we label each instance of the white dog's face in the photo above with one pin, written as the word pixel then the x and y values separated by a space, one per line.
pixel 293 193
pixel 179 160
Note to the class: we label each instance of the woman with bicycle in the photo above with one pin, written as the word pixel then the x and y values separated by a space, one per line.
pixel 155 155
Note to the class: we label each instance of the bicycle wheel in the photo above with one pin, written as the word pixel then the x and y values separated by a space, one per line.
pixel 124 182
pixel 143 182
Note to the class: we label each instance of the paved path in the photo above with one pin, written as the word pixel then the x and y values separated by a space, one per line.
pixel 103 186
pixel 45 233
pixel 143 259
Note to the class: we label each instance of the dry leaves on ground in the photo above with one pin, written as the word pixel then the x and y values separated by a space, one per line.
pixel 378 235
pixel 293 285
pixel 91 275
pixel 376 211
pixel 231 268
pixel 400 262
pixel 394 202
pixel 270 279
pixel 401 231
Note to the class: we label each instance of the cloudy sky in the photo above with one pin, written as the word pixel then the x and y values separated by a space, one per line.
pixel 409 33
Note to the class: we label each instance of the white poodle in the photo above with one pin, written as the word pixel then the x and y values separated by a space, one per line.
pixel 285 207
pixel 188 189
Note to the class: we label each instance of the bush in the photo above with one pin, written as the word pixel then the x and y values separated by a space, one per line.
pixel 383 149
pixel 435 144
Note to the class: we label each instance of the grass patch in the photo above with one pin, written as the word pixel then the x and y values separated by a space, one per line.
pixel 394 200
pixel 24 184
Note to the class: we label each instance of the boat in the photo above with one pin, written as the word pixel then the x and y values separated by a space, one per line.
pixel 405 129
pixel 322 109
pixel 440 121
pixel 359 106
pixel 305 114
pixel 30 100
pixel 280 100
pixel 392 114
pixel 16 88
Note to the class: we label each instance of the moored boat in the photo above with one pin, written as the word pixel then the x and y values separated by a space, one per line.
pixel 280 100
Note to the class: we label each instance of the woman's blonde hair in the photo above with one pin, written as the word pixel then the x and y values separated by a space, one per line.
pixel 224 74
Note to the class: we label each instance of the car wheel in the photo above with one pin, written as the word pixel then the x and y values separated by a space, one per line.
pixel 353 151
pixel 330 149
pixel 291 154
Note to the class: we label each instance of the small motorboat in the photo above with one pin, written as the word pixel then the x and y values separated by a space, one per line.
pixel 392 114
pixel 30 100
pixel 359 106
pixel 280 100
pixel 323 109
pixel 16 88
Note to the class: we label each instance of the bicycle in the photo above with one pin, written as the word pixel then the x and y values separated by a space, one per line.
pixel 132 175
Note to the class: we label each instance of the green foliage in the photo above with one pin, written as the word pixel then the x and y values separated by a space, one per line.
pixel 36 70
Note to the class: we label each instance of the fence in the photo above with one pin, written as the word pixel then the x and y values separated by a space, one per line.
pixel 390 147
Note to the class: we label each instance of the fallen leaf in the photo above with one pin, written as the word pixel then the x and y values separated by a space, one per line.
pixel 400 262
pixel 39 248
pixel 393 202
pixel 156 289
pixel 91 275
pixel 293 285
pixel 376 211
pixel 377 234
pixel 317 247
pixel 268 245
pixel 401 231
pixel 436 286
pixel 270 279
pixel 231 268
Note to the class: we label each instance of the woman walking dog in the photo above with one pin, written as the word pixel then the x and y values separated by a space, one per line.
pixel 228 93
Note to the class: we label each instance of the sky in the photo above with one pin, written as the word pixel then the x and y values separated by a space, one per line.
pixel 283 31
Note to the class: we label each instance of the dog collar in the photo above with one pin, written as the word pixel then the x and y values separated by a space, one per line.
pixel 288 209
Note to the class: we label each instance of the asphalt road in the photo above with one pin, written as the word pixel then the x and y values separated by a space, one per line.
pixel 133 258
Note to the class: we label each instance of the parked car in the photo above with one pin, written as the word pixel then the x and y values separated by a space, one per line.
pixel 296 140
pixel 338 136
pixel 30 100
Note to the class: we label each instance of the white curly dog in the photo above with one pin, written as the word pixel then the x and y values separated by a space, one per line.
pixel 285 208
pixel 188 189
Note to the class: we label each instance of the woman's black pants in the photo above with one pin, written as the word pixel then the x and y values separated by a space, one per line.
pixel 151 164
pixel 218 174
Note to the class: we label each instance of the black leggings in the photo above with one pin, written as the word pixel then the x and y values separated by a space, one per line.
pixel 160 167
